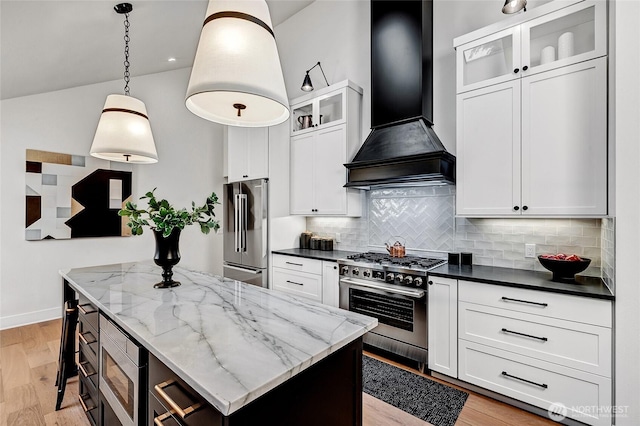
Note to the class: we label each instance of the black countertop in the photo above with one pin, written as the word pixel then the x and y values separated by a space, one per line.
pixel 332 255
pixel 585 286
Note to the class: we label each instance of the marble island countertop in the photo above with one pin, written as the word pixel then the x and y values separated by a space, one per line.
pixel 232 342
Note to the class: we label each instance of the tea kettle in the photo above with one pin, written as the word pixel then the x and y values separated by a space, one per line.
pixel 396 249
pixel 305 121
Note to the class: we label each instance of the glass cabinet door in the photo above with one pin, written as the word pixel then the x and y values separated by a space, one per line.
pixel 302 117
pixel 570 35
pixel 490 60
pixel 324 110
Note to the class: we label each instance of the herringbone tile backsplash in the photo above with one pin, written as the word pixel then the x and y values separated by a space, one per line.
pixel 424 219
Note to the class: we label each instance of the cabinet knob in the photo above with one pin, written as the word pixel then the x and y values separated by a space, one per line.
pixel 516 208
pixel 525 208
pixel 430 282
pixel 526 67
pixel 516 70
pixel 245 176
pixel 335 267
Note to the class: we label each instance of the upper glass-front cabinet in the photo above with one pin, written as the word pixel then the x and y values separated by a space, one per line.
pixel 555 35
pixel 570 35
pixel 490 60
pixel 321 108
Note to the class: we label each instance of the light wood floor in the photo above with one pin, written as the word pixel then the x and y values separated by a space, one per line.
pixel 28 366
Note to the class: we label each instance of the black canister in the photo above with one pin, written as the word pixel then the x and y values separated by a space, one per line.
pixel 326 244
pixel 315 243
pixel 305 240
pixel 466 259
pixel 453 259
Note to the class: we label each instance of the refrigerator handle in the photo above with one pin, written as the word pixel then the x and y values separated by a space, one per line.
pixel 243 208
pixel 237 220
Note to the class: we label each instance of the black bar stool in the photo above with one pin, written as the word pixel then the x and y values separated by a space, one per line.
pixel 67 358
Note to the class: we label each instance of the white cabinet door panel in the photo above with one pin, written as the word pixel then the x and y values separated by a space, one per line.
pixel 330 285
pixel 329 156
pixel 564 133
pixel 298 283
pixel 443 328
pixel 488 134
pixel 301 178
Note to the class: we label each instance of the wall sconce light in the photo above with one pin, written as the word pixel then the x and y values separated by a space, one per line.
pixel 306 84
pixel 236 77
pixel 514 6
pixel 124 133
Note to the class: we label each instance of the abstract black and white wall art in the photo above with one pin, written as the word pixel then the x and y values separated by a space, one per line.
pixel 73 196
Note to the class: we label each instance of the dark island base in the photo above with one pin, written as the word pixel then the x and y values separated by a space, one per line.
pixel 327 393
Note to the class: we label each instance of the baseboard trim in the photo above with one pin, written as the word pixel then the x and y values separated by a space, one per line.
pixel 29 318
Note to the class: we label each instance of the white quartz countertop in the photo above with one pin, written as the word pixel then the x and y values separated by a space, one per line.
pixel 231 341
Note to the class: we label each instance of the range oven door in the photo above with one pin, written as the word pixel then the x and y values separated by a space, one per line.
pixel 401 313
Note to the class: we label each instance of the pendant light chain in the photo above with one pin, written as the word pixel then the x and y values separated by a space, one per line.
pixel 126 54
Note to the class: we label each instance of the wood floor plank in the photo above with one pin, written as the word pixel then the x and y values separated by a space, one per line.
pixel 72 415
pixel 44 378
pixel 29 416
pixel 51 330
pixel 1 389
pixel 10 336
pixel 15 368
pixel 378 413
pixel 506 413
pixel 21 397
pixel 31 336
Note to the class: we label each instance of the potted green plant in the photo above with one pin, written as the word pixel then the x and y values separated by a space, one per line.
pixel 167 222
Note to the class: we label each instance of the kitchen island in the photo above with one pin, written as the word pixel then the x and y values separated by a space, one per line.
pixel 235 344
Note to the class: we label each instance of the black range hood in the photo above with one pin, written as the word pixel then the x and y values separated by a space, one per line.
pixel 402 148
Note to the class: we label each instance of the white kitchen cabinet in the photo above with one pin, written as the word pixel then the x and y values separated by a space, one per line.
pixel 534 144
pixel 318 153
pixel 443 325
pixel 330 283
pixel 312 279
pixel 521 45
pixel 538 347
pixel 247 150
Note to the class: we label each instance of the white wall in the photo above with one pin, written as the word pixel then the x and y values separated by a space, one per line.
pixel 190 152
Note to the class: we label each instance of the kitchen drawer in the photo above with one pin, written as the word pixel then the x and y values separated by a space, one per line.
pixel 554 305
pixel 298 283
pixel 536 382
pixel 87 312
pixel 175 395
pixel 577 345
pixel 88 340
pixel 303 264
pixel 88 368
pixel 88 398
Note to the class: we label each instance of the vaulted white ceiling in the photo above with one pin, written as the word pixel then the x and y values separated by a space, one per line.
pixel 48 45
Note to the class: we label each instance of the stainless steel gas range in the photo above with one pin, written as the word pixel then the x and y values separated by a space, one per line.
pixel 393 290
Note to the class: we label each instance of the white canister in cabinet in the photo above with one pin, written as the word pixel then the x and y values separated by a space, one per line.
pixel 565 45
pixel 548 54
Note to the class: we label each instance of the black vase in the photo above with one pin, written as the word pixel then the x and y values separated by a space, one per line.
pixel 167 255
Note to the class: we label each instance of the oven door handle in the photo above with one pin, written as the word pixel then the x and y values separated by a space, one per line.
pixel 416 294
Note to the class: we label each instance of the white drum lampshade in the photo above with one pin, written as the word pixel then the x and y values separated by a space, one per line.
pixel 236 78
pixel 124 133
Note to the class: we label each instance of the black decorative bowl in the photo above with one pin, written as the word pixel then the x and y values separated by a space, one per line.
pixel 564 270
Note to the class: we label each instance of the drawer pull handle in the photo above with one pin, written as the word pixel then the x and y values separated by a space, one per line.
pixel 84 405
pixel 544 339
pixel 83 311
pixel 292 263
pixel 508 299
pixel 83 369
pixel 183 413
pixel 158 421
pixel 293 282
pixel 543 385
pixel 84 339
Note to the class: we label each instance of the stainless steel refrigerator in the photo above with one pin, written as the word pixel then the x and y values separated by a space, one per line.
pixel 246 231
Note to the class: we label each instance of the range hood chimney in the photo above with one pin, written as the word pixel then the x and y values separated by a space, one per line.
pixel 402 148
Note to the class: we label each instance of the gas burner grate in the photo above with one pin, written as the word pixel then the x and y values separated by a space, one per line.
pixel 385 259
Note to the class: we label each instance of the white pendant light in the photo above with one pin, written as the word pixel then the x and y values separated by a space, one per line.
pixel 237 77
pixel 124 133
